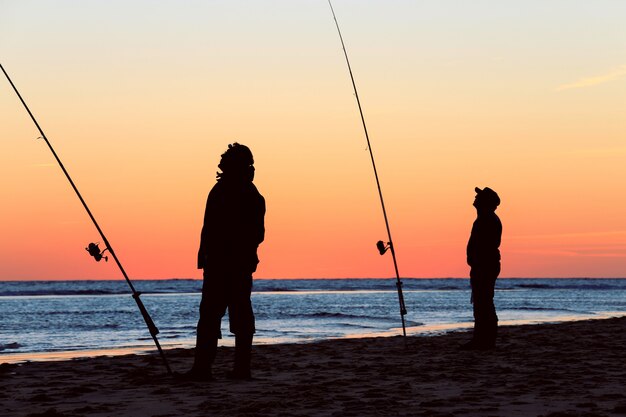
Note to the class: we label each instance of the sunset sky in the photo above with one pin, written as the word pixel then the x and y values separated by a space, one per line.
pixel 140 98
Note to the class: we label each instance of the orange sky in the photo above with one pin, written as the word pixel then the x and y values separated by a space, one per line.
pixel 140 100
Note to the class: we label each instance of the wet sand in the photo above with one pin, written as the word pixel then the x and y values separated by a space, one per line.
pixel 567 369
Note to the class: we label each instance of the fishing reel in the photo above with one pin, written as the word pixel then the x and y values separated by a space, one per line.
pixel 95 251
pixel 382 248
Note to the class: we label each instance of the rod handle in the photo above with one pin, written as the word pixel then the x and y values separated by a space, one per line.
pixel 151 326
pixel 401 298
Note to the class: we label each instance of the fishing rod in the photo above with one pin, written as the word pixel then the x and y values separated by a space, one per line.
pixel 382 248
pixel 93 248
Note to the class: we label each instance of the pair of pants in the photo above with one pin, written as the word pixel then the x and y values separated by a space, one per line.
pixel 483 281
pixel 222 290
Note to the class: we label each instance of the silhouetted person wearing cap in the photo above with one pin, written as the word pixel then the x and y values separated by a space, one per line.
pixel 483 256
pixel 232 231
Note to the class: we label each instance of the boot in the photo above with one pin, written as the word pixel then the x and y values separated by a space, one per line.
pixel 201 369
pixel 483 338
pixel 243 353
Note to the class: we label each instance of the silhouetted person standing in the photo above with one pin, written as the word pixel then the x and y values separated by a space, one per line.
pixel 232 231
pixel 483 256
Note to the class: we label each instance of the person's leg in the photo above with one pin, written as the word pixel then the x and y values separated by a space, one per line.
pixel 241 317
pixel 212 309
pixel 243 356
pixel 485 317
pixel 491 317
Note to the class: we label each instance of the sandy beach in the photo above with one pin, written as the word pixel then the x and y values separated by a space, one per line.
pixel 567 369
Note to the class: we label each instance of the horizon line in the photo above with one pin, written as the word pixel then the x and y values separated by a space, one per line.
pixel 292 279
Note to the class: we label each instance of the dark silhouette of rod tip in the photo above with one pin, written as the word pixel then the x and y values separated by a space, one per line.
pixel 92 249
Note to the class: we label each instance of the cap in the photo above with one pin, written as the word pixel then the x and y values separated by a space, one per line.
pixel 489 196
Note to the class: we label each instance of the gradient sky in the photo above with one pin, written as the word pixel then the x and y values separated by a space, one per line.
pixel 140 98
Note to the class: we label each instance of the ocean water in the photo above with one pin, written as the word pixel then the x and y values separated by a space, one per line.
pixel 53 316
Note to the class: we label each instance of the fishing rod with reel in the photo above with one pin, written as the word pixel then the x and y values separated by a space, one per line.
pixel 93 248
pixel 380 245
